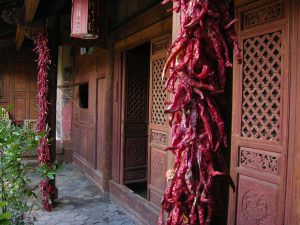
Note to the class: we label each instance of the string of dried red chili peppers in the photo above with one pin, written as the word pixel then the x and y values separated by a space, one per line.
pixel 44 60
pixel 198 61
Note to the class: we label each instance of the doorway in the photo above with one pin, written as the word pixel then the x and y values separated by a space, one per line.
pixel 136 70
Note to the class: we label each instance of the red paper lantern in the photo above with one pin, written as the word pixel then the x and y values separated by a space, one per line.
pixel 85 19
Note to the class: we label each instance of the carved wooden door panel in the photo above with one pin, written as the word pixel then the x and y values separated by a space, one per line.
pixel 158 128
pixel 136 117
pixel 259 133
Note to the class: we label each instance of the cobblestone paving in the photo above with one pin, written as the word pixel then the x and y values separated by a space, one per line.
pixel 79 203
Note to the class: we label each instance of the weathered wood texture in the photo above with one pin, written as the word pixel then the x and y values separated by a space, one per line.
pixel 136 68
pixel 18 88
pixel 141 21
pixel 143 36
pixel 260 118
pixel 30 10
pixel 90 128
pixel 292 202
pixel 157 159
pixel 126 9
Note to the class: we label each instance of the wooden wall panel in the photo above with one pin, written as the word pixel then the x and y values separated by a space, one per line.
pixel 3 83
pixel 33 108
pixel 20 107
pixel 20 89
pixel 125 9
pixel 88 123
pixel 21 77
pixel 142 21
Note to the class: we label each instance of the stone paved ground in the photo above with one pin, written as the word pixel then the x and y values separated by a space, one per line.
pixel 79 203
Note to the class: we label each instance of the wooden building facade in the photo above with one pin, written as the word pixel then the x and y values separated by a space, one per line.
pixel 118 129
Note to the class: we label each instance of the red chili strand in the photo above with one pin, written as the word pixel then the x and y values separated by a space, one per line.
pixel 44 61
pixel 198 63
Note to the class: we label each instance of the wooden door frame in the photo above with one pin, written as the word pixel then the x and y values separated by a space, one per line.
pixel 146 35
pixel 123 111
pixel 97 120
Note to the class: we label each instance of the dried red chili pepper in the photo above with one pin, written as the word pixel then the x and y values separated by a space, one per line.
pixel 197 63
pixel 44 60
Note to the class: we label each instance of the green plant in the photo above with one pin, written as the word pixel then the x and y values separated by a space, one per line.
pixel 4 216
pixel 14 181
pixel 49 171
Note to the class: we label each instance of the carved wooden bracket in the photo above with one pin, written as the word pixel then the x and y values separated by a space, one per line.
pixel 30 10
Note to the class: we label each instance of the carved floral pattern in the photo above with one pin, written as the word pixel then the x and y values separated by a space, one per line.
pixel 158 166
pixel 159 46
pixel 135 154
pixel 256 208
pixel 259 161
pixel 266 14
pixel 159 137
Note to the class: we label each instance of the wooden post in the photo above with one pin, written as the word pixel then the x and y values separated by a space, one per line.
pixel 52 25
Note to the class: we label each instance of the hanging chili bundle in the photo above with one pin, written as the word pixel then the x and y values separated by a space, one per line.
pixel 198 62
pixel 47 188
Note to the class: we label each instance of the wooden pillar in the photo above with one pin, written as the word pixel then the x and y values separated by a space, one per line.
pixel 52 25
pixel 106 157
pixel 105 165
pixel 292 215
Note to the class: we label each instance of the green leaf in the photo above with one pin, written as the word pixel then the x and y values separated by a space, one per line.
pixel 4 222
pixel 51 176
pixel 2 204
pixel 10 108
pixel 5 216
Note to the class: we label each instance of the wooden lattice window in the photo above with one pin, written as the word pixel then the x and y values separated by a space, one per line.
pixel 2 87
pixel 262 86
pixel 137 94
pixel 159 96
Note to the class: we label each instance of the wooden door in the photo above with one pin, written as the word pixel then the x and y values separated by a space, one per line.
pixel 158 126
pixel 260 123
pixel 136 117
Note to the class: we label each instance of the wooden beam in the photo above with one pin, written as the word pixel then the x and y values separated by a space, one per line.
pixel 30 10
pixel 20 35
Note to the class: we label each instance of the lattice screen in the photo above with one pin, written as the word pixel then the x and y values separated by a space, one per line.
pixel 262 86
pixel 159 96
pixel 2 86
pixel 137 95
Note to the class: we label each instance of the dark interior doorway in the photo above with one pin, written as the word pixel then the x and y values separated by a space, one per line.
pixel 136 64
